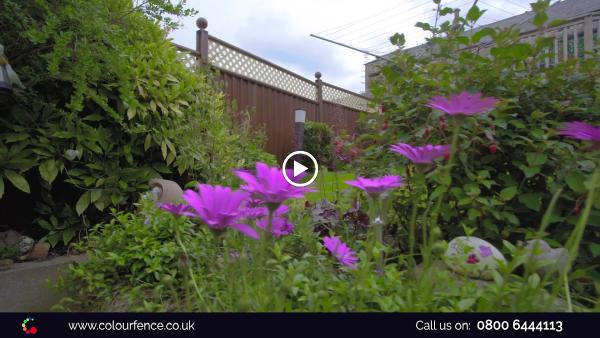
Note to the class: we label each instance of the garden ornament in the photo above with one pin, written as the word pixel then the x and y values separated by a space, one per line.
pixel 8 77
pixel 473 257
pixel 165 191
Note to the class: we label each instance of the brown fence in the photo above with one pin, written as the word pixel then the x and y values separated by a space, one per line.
pixel 273 93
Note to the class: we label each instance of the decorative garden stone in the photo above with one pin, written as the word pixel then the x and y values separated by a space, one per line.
pixel 25 244
pixel 40 251
pixel 11 238
pixel 544 257
pixel 473 257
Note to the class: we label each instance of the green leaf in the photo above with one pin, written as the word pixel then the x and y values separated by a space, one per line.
pixel 474 13
pixel 17 180
pixel 68 235
pixel 49 170
pixel 398 40
pixel 147 142
pixel 1 187
pixel 575 181
pixel 53 238
pixel 508 193
pixel 83 202
pixel 531 200
pixel 474 214
pixel 481 34
pixel 131 112
pixel 536 160
pixel 163 149
pixel 96 194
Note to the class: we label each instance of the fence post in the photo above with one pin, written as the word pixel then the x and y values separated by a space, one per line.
pixel 202 39
pixel 588 35
pixel 319 86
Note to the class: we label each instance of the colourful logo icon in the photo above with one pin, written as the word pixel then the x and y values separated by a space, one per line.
pixel 27 326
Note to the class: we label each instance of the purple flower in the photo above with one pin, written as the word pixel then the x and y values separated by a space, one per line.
pixel 421 155
pixel 177 209
pixel 280 226
pixel 464 103
pixel 340 251
pixel 269 185
pixel 219 207
pixel 377 185
pixel 581 131
pixel 262 211
pixel 485 251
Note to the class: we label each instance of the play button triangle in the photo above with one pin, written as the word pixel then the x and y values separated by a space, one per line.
pixel 299 168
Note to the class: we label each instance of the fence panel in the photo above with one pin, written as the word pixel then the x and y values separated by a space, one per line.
pixel 272 93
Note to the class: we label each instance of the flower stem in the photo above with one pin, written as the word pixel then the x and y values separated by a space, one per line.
pixel 190 271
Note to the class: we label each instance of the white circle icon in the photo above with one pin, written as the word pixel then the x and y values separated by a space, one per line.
pixel 299 168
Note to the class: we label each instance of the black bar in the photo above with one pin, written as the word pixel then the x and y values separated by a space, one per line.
pixel 335 325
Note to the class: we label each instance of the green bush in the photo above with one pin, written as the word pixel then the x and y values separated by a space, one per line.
pixel 107 106
pixel 511 162
pixel 317 141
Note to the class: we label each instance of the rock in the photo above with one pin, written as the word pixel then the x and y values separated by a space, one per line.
pixel 25 244
pixel 9 237
pixel 473 257
pixel 13 238
pixel 544 258
pixel 5 264
pixel 40 251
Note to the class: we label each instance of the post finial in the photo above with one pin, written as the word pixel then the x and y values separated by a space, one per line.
pixel 202 23
pixel 318 75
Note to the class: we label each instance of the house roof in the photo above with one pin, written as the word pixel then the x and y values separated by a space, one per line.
pixel 566 9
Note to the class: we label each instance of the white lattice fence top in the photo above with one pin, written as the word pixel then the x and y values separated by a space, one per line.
pixel 344 98
pixel 233 60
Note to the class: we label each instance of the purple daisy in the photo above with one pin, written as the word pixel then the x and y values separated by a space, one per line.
pixel 581 131
pixel 421 155
pixel 219 207
pixel 464 103
pixel 378 185
pixel 340 251
pixel 269 185
pixel 177 209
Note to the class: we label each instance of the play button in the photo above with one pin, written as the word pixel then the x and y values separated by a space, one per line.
pixel 300 168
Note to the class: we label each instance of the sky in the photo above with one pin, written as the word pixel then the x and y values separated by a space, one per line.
pixel 279 30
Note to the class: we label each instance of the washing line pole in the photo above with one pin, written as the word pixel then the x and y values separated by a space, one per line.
pixel 350 47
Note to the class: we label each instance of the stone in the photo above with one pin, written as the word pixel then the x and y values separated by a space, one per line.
pixel 25 244
pixel 9 237
pixel 544 258
pixel 473 257
pixel 40 251
pixel 13 238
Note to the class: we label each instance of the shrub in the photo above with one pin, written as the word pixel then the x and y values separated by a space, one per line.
pixel 510 163
pixel 107 106
pixel 317 141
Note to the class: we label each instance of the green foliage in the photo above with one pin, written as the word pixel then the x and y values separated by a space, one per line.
pixel 107 106
pixel 136 263
pixel 510 161
pixel 317 141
